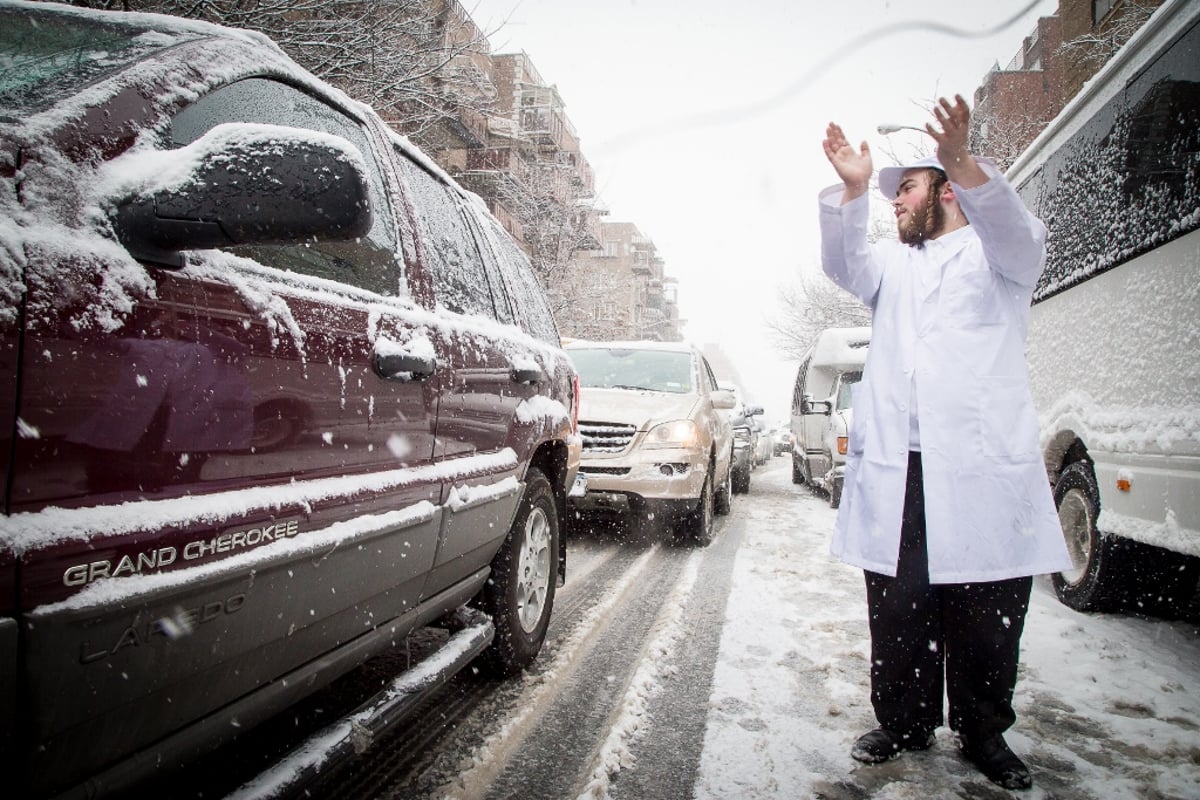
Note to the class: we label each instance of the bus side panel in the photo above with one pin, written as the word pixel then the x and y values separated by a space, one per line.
pixel 1113 360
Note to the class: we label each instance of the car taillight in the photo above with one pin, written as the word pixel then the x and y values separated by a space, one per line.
pixel 843 442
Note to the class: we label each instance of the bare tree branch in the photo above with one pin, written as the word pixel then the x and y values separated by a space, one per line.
pixel 1094 49
pixel 808 306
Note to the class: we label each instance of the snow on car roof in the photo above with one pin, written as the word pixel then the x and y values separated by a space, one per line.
pixel 141 20
pixel 841 346
pixel 238 53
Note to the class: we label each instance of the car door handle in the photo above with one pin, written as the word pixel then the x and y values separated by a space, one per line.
pixel 403 366
pixel 528 375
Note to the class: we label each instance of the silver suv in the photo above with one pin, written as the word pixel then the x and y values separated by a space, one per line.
pixel 654 442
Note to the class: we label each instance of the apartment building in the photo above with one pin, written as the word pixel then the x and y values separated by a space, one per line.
pixel 1014 103
pixel 514 145
pixel 622 290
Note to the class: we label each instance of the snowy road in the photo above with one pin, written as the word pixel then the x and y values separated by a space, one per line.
pixel 1108 706
pixel 740 671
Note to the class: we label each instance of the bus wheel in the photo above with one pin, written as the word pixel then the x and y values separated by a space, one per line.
pixel 1094 583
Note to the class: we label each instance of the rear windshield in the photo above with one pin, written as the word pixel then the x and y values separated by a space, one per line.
pixel 46 57
pixel 624 368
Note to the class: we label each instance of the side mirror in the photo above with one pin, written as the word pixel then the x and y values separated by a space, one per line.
pixel 810 406
pixel 723 399
pixel 240 184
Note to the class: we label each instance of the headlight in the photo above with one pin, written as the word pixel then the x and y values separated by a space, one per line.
pixel 741 434
pixel 677 433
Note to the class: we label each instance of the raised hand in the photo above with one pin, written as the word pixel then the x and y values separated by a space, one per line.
pixel 955 121
pixel 852 166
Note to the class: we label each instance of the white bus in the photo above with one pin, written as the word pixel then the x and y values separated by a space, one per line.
pixel 1114 333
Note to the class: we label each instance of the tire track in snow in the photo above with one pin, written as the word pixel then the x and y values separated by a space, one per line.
pixel 632 721
pixel 482 769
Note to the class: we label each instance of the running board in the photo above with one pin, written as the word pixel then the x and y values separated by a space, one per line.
pixel 355 732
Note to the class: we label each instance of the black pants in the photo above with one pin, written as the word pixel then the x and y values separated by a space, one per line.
pixel 967 635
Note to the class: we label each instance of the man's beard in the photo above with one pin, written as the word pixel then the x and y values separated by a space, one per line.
pixel 922 223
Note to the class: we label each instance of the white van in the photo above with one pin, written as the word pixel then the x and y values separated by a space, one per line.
pixel 821 408
pixel 1112 331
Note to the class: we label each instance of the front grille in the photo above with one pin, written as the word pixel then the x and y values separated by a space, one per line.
pixel 605 437
pixel 587 470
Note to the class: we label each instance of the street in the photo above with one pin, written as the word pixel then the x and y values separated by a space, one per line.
pixel 740 670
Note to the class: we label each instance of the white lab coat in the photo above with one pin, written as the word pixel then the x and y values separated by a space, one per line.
pixel 950 319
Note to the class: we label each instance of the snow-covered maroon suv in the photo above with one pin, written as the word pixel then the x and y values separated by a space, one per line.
pixel 274 392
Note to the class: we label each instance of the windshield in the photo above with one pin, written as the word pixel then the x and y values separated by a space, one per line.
pixel 45 57
pixel 623 368
pixel 848 379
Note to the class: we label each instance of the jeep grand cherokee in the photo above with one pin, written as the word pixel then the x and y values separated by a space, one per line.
pixel 277 392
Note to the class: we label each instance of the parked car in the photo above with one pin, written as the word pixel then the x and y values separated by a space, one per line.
pixel 740 409
pixel 821 408
pixel 764 444
pixel 656 445
pixel 282 393
pixel 783 440
pixel 741 418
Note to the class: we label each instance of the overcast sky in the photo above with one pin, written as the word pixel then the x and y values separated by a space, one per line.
pixel 703 121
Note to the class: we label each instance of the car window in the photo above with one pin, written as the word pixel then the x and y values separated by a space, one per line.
pixel 369 262
pixel 460 280
pixel 626 368
pixel 49 57
pixel 848 379
pixel 528 299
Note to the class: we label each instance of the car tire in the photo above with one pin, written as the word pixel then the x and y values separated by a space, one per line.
pixel 797 473
pixel 806 475
pixel 741 480
pixel 1096 582
pixel 519 593
pixel 723 498
pixel 699 523
pixel 835 493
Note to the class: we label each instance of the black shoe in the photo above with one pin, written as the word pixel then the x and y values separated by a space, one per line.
pixel 881 745
pixel 1001 765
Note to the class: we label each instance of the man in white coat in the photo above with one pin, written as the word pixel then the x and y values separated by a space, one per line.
pixel 946 503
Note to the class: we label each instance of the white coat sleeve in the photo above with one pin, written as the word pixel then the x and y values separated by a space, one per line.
pixel 1013 239
pixel 846 257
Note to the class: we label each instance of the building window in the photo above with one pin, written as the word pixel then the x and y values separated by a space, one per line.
pixel 1100 9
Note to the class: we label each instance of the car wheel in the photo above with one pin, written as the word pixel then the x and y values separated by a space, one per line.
pixel 699 523
pixel 519 593
pixel 741 481
pixel 835 493
pixel 797 473
pixel 1093 583
pixel 723 497
pixel 806 474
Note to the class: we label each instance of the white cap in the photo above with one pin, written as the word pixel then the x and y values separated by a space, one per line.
pixel 890 177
